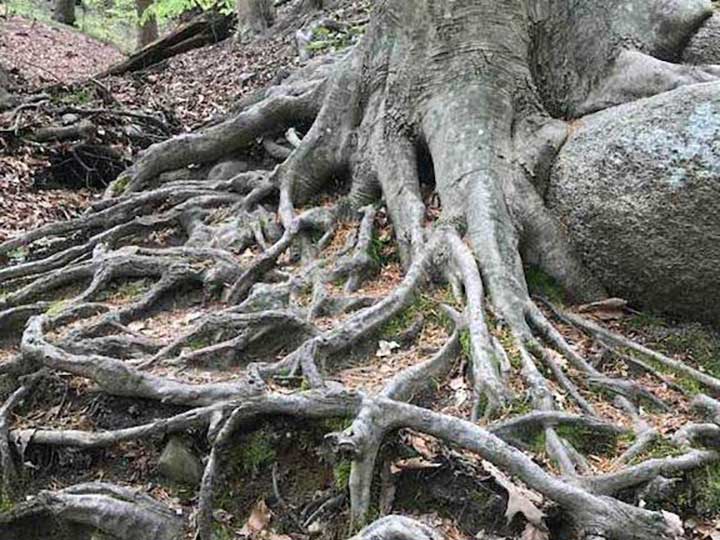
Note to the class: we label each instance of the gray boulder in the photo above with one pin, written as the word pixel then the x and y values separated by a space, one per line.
pixel 638 187
pixel 704 47
pixel 179 464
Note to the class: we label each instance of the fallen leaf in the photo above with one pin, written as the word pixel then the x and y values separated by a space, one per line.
pixel 258 520
pixel 520 500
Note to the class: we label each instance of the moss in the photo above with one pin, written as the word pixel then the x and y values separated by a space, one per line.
pixel 541 284
pixel 6 503
pixel 199 342
pixel 382 249
pixel 465 343
pixel 706 486
pixel 422 304
pixel 696 344
pixel 508 343
pixel 120 185
pixel 519 406
pixel 56 308
pixel 587 441
pixel 255 453
pixel 660 448
pixel 537 444
pixel 341 474
pixel 128 290
pixel 334 425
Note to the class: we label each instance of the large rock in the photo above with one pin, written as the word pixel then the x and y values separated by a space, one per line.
pixel 704 47
pixel 179 464
pixel 638 187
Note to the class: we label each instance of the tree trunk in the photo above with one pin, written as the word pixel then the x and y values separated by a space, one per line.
pixel 254 17
pixel 471 100
pixel 147 30
pixel 64 11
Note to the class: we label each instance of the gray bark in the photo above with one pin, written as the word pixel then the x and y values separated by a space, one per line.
pixel 148 30
pixel 64 11
pixel 254 17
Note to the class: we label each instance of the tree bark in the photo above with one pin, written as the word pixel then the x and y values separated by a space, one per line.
pixel 254 17
pixel 147 30
pixel 64 11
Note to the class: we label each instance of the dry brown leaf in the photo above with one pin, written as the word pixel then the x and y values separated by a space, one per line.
pixel 258 520
pixel 412 464
pixel 520 500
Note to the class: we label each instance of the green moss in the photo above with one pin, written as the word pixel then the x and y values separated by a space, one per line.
pixel 587 441
pixel 541 284
pixel 334 425
pixel 422 304
pixel 382 249
pixel 255 453
pixel 56 308
pixel 6 504
pixel 519 406
pixel 508 343
pixel 120 185
pixel 696 344
pixel 341 474
pixel 127 290
pixel 465 343
pixel 706 486
pixel 198 343
pixel 537 444
pixel 660 448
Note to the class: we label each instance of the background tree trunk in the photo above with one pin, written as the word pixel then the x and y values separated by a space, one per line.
pixel 65 11
pixel 147 30
pixel 254 17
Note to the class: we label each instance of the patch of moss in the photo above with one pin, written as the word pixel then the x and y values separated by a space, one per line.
pixel 422 304
pixel 120 185
pixel 199 342
pixel 541 284
pixel 341 474
pixel 706 486
pixel 382 249
pixel 587 441
pixel 126 291
pixel 660 448
pixel 465 343
pixel 6 504
pixel 333 425
pixel 255 453
pixel 56 308
pixel 519 406
pixel 696 344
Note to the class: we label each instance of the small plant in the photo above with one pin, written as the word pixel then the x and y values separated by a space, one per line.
pixel 198 342
pixel 341 473
pixel 255 453
pixel 540 283
pixel 120 185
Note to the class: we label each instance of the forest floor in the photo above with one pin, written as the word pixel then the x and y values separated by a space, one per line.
pixel 41 183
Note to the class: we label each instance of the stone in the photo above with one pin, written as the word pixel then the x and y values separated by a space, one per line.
pixel 704 47
pixel 638 189
pixel 180 464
